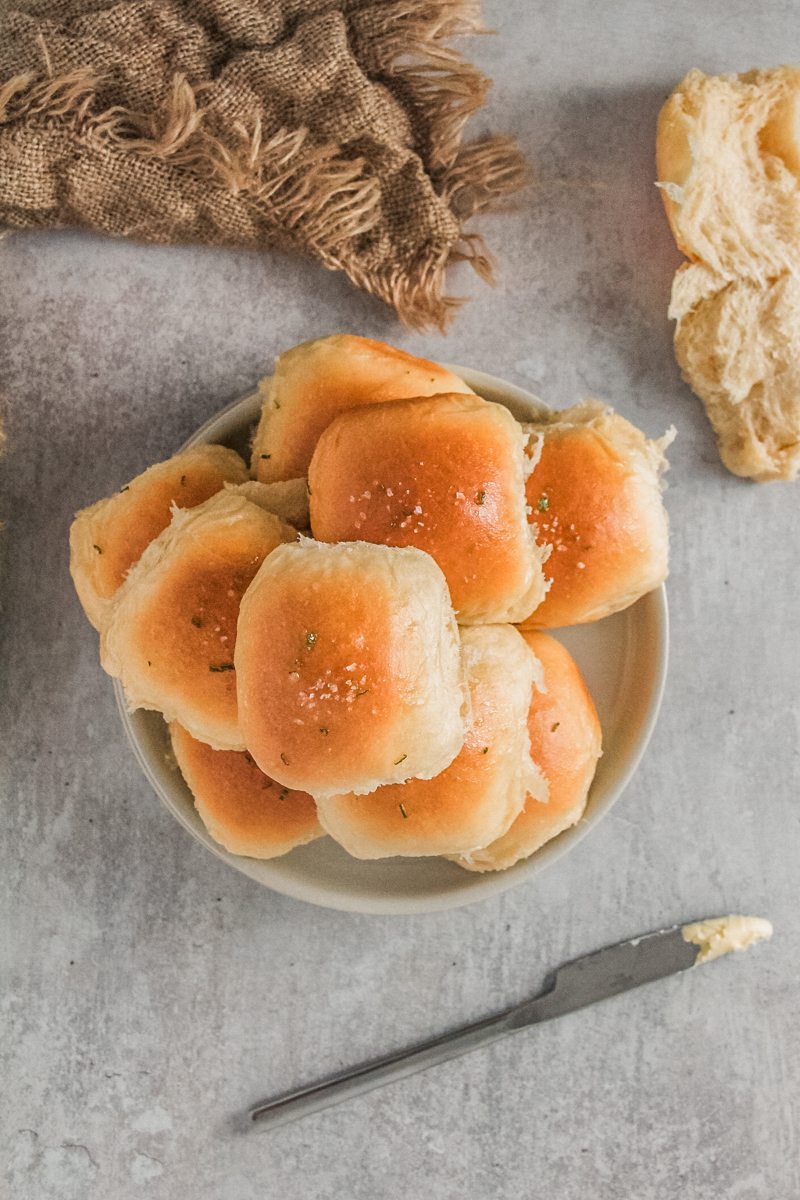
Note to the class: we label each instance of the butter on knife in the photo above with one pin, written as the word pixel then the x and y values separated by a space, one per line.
pixel 720 935
pixel 598 976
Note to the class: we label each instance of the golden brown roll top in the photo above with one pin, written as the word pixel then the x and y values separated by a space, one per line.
pixel 316 381
pixel 241 807
pixel 565 743
pixel 348 668
pixel 171 629
pixel 595 496
pixel 444 474
pixel 474 799
pixel 107 538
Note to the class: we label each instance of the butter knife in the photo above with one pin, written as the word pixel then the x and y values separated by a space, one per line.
pixel 584 981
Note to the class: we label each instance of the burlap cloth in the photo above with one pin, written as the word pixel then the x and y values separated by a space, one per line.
pixel 330 127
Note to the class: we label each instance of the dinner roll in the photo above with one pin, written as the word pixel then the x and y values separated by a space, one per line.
pixel 565 741
pixel 171 628
pixel 595 496
pixel 107 538
pixel 348 668
pixel 474 800
pixel 445 474
pixel 241 807
pixel 316 381
pixel 728 161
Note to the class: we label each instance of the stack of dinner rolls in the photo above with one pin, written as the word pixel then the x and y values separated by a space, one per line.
pixel 348 638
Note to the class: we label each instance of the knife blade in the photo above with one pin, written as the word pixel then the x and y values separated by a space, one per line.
pixel 584 981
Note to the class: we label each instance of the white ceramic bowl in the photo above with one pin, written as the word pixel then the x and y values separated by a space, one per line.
pixel 623 659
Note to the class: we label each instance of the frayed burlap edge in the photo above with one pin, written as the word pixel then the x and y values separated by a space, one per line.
pixel 442 86
pixel 313 197
pixel 416 290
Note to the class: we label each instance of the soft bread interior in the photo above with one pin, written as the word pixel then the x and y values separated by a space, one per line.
pixel 728 150
pixel 241 807
pixel 476 798
pixel 348 667
pixel 727 154
pixel 738 346
pixel 315 381
pixel 107 538
pixel 171 629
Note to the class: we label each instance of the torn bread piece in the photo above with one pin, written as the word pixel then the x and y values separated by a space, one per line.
pixel 728 163
pixel 737 343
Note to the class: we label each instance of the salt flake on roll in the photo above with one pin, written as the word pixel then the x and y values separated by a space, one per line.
pixel 348 668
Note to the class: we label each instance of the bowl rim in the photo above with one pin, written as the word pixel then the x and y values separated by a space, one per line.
pixel 477 886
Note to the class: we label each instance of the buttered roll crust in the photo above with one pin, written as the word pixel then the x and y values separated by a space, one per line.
pixel 241 807
pixel 595 496
pixel 107 538
pixel 445 474
pixel 171 630
pixel 315 381
pixel 474 799
pixel 348 668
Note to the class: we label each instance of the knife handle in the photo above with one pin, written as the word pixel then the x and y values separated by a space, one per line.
pixel 359 1080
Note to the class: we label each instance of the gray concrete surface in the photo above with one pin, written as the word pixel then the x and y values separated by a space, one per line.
pixel 148 992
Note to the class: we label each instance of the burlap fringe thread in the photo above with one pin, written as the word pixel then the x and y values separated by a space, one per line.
pixel 324 201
